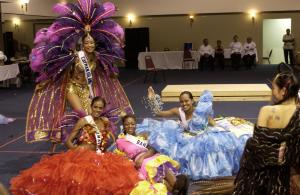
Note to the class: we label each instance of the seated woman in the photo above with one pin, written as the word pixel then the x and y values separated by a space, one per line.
pixel 275 145
pixel 81 170
pixel 204 148
pixel 156 168
pixel 83 134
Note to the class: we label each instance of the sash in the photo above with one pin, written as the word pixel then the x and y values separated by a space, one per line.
pixel 183 119
pixel 136 141
pixel 88 74
pixel 98 135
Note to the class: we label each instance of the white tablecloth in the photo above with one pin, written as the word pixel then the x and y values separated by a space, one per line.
pixel 9 71
pixel 170 59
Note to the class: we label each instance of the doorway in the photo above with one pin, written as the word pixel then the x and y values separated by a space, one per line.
pixel 136 40
pixel 273 31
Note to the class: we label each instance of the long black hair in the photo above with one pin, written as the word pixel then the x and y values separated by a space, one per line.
pixel 288 81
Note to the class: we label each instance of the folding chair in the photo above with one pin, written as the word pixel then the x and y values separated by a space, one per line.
pixel 269 57
pixel 187 58
pixel 150 69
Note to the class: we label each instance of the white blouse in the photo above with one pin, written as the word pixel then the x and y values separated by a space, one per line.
pixel 236 47
pixel 249 48
pixel 206 50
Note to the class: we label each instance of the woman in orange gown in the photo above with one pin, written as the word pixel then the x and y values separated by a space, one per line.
pixel 81 170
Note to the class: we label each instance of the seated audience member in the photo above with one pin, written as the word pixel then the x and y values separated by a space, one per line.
pixel 236 50
pixel 3 58
pixel 206 55
pixel 219 54
pixel 249 53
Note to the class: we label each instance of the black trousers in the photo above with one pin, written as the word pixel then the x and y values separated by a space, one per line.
pixel 206 61
pixel 289 53
pixel 249 60
pixel 236 60
pixel 219 60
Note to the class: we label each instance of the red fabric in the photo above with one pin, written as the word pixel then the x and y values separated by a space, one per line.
pixel 77 172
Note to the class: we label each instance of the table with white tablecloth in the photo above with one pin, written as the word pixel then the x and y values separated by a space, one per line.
pixel 8 72
pixel 170 59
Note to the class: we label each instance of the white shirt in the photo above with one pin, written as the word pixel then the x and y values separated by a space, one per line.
pixel 206 50
pixel 249 48
pixel 290 43
pixel 236 47
pixel 2 56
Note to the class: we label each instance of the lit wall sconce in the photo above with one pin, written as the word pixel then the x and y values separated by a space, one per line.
pixel 252 14
pixel 131 19
pixel 24 4
pixel 16 22
pixel 191 20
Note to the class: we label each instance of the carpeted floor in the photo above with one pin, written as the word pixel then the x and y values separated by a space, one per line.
pixel 16 155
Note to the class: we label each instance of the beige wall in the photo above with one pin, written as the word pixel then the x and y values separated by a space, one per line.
pixel 25 32
pixel 160 7
pixel 173 31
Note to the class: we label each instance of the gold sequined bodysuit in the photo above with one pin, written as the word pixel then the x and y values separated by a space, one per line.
pixel 78 86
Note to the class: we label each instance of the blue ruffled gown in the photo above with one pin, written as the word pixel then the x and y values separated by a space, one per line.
pixel 203 151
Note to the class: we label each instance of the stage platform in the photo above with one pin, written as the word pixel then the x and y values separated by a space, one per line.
pixel 221 92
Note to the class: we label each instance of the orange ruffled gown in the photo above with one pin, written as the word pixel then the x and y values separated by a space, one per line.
pixel 77 172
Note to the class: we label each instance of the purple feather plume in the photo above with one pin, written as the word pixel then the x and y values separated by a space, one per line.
pixel 54 46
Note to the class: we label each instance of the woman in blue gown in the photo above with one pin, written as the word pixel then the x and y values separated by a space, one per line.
pixel 205 148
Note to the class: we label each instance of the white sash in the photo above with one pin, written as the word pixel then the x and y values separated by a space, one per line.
pixel 98 135
pixel 136 141
pixel 183 118
pixel 88 74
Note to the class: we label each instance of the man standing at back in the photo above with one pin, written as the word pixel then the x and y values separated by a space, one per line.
pixel 288 47
pixel 206 55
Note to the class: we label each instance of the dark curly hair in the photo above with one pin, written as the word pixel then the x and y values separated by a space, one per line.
pixel 98 98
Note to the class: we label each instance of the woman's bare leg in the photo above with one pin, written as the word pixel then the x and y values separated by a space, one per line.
pixel 169 187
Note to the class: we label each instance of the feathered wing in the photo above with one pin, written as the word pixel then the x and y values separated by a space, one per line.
pixel 55 46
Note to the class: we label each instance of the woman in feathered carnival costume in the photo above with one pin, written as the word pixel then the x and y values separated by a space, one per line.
pixel 65 74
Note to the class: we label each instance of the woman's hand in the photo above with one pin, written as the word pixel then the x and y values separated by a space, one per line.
pixel 211 121
pixel 151 93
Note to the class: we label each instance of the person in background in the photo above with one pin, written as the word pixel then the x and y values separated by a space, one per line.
pixel 219 54
pixel 236 52
pixel 288 47
pixel 3 58
pixel 206 55
pixel 249 53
